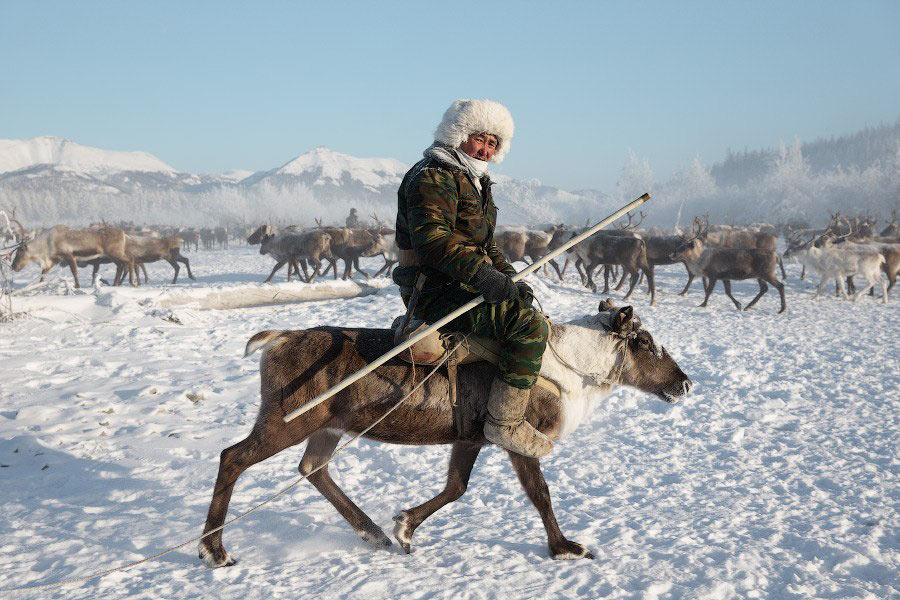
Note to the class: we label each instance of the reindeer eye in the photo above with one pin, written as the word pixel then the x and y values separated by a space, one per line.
pixel 644 343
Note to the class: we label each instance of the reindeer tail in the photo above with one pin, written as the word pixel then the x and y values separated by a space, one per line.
pixel 261 340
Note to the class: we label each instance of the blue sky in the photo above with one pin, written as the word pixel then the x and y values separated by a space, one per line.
pixel 209 87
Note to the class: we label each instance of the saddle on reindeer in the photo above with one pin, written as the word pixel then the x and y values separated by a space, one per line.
pixel 452 349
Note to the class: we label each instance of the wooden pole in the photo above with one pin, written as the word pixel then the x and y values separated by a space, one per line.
pixel 461 310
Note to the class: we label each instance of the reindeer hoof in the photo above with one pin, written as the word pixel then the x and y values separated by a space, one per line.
pixel 568 550
pixel 215 558
pixel 375 538
pixel 402 532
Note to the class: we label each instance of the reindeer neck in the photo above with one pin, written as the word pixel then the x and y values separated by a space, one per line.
pixel 582 357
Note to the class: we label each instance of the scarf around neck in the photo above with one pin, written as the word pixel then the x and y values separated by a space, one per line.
pixel 452 156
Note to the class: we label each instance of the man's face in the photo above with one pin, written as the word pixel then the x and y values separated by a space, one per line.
pixel 480 145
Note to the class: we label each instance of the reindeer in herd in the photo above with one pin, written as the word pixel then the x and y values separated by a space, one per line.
pixel 711 251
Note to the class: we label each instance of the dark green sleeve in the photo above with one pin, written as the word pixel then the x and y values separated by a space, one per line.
pixel 498 260
pixel 431 214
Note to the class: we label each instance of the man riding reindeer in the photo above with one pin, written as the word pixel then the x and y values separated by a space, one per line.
pixel 445 231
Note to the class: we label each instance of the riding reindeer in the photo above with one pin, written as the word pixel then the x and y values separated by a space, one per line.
pixel 585 359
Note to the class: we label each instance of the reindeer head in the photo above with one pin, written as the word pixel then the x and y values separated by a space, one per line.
pixel 796 244
pixel 646 365
pixel 378 244
pixel 265 241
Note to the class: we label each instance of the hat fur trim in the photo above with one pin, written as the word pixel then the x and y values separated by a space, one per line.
pixel 465 117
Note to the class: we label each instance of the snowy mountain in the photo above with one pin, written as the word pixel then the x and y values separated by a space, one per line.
pixel 334 176
pixel 322 167
pixel 65 155
pixel 50 180
pixel 54 166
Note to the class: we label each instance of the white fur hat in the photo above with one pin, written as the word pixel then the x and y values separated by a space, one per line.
pixel 465 117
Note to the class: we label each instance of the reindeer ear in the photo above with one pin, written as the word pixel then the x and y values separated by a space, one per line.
pixel 606 305
pixel 623 318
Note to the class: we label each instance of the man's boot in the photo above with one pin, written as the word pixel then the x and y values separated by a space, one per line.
pixel 506 425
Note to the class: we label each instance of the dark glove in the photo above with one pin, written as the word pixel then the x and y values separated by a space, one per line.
pixel 494 285
pixel 525 292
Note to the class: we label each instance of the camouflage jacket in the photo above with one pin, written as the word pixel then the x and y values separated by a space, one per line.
pixel 450 225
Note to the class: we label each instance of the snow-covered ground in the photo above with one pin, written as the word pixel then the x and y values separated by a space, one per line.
pixel 775 478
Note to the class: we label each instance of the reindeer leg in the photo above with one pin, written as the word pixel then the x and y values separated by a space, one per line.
pixel 590 278
pixel 556 268
pixel 74 266
pixel 621 280
pixel 651 284
pixel 709 287
pixel 607 269
pixel 144 269
pixel 356 266
pixel 462 459
pixel 319 449
pixel 781 264
pixel 780 287
pixel 726 283
pixel 94 274
pixel 278 265
pixel 382 269
pixel 578 263
pixel 821 287
pixel 316 266
pixel 763 288
pixel 862 292
pixel 532 479
pixel 803 273
pixel 634 280
pixel 183 259
pixel 689 281
pixel 305 272
pixel 175 266
pixel 255 448
pixel 839 288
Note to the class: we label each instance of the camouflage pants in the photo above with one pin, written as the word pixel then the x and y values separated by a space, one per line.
pixel 521 330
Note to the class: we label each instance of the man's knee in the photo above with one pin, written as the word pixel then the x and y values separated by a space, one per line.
pixel 534 327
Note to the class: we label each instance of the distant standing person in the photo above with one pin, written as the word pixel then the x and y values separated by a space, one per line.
pixel 353 219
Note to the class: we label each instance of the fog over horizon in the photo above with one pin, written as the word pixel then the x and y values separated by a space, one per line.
pixel 801 181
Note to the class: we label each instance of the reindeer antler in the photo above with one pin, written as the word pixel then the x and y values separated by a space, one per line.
pixel 849 230
pixel 631 225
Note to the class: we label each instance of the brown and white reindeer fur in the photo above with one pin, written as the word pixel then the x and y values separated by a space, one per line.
pixel 291 248
pixel 349 245
pixel 144 249
pixel 59 244
pixel 731 263
pixel 597 352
